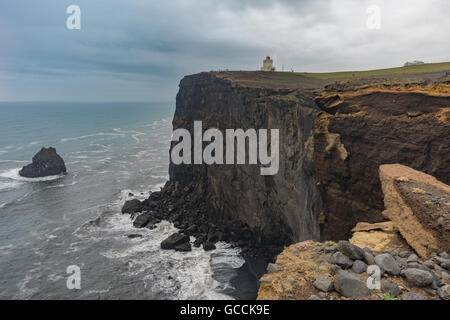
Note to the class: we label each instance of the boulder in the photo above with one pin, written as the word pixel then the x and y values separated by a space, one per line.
pixel 45 163
pixel 144 220
pixel 359 267
pixel 350 250
pixel 350 286
pixel 176 241
pixel 132 206
pixel 379 236
pixel 412 296
pixel 324 283
pixel 186 246
pixel 387 263
pixel 445 292
pixel 389 287
pixel 418 277
pixel 341 260
pixel 407 210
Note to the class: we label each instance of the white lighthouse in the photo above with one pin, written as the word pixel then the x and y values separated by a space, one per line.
pixel 268 65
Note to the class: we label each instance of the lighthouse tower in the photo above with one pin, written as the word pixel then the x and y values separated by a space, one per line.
pixel 268 65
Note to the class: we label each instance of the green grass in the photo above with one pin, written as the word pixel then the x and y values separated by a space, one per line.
pixel 400 71
pixel 389 296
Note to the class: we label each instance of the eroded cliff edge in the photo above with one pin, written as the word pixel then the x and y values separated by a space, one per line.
pixel 333 138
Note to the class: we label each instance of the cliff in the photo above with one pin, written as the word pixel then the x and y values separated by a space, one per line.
pixel 333 137
pixel 418 206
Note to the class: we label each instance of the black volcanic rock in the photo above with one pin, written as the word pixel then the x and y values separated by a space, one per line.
pixel 132 206
pixel 45 163
pixel 176 241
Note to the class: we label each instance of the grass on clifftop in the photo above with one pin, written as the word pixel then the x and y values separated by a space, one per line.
pixel 400 71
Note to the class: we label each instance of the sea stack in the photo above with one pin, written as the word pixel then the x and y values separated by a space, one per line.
pixel 45 163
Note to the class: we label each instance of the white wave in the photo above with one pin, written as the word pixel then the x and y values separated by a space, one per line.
pixel 1 206
pixel 13 161
pixel 8 185
pixel 157 187
pixel 180 275
pixel 13 174
pixel 92 135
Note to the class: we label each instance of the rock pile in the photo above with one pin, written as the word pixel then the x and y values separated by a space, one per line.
pixel 346 271
pixel 189 213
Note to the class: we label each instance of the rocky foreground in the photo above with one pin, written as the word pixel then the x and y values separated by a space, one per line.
pixel 334 136
pixel 405 258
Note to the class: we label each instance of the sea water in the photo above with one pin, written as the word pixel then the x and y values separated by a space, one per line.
pixel 113 152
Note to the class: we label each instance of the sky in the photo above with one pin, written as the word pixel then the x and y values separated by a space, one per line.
pixel 139 50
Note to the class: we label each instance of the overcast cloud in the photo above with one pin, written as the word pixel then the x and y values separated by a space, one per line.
pixel 140 49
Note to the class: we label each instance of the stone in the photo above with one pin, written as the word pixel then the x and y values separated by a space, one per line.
pixel 412 258
pixel 443 255
pixel 265 280
pixel 132 206
pixel 389 287
pixel 313 297
pixel 369 258
pixel 404 254
pixel 387 263
pixel 445 276
pixel 423 237
pixel 186 246
pixel 134 236
pixel 359 267
pixel 342 260
pixel 273 268
pixel 44 163
pixel 429 264
pixel 420 278
pixel 401 262
pixel 324 283
pixel 176 240
pixel 142 220
pixel 350 286
pixel 413 265
pixel 445 292
pixel 335 269
pixel 350 250
pixel 412 296
pixel 331 249
pixel 444 263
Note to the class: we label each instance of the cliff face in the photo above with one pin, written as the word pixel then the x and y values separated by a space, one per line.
pixel 332 142
pixel 364 128
pixel 278 208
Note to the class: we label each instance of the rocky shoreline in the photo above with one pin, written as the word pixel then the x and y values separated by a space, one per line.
pixel 334 138
pixel 194 217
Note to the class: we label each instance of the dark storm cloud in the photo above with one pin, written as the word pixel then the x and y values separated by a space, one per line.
pixel 139 50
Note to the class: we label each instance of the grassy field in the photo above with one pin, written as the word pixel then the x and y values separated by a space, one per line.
pixel 401 71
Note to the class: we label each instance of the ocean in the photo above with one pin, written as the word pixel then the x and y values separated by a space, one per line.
pixel 113 152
